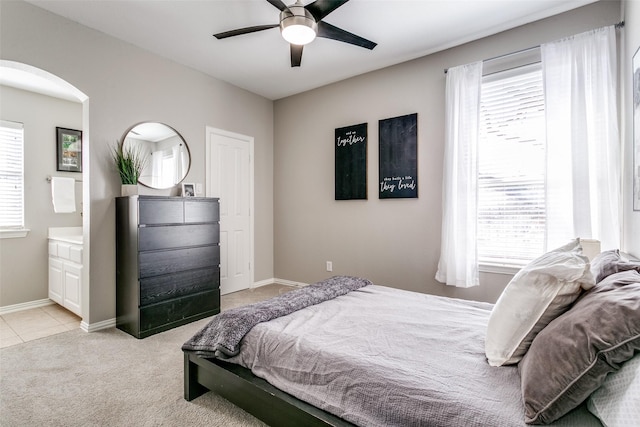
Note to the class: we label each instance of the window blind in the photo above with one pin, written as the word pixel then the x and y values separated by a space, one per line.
pixel 511 167
pixel 11 174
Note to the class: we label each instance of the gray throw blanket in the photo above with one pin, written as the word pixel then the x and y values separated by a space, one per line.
pixel 222 335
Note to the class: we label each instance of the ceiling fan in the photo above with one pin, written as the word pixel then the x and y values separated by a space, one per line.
pixel 300 25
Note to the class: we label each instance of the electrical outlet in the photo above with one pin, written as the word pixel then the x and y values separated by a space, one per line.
pixel 329 266
pixel 199 188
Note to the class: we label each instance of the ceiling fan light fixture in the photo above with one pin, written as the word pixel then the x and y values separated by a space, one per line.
pixel 297 25
pixel 300 25
pixel 298 34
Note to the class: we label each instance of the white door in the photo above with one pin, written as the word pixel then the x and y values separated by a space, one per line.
pixel 230 177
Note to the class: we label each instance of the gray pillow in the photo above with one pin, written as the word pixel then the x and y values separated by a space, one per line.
pixel 570 357
pixel 609 262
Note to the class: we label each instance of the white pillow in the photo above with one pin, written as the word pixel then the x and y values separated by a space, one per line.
pixel 537 294
pixel 617 402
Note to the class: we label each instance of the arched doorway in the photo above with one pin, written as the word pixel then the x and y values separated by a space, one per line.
pixel 33 79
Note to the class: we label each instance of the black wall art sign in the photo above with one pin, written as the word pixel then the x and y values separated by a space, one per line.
pixel 351 162
pixel 398 146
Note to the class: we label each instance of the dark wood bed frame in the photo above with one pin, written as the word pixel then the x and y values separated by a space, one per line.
pixel 255 395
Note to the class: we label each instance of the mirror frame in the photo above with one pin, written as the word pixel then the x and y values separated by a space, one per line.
pixel 178 134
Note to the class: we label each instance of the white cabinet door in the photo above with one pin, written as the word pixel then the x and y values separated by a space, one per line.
pixel 56 280
pixel 65 276
pixel 72 286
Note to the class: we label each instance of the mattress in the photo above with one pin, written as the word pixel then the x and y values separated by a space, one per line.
pixel 379 356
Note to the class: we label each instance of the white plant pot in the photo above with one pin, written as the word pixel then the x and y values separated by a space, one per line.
pixel 129 190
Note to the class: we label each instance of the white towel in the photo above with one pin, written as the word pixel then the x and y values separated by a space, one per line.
pixel 63 193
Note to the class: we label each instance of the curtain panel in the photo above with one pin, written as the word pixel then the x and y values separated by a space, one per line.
pixel 458 265
pixel 583 144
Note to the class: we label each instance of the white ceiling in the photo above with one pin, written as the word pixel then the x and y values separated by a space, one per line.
pixel 182 30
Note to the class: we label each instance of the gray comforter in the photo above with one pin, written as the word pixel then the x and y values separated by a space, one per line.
pixel 379 356
pixel 222 335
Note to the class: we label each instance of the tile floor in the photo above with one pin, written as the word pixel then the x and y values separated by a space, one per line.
pixel 28 325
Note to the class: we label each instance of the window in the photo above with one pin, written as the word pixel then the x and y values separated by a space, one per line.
pixel 11 176
pixel 511 167
pixel 526 170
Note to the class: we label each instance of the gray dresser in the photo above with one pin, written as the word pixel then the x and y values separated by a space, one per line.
pixel 167 262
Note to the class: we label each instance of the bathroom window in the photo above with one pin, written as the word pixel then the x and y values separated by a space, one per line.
pixel 11 179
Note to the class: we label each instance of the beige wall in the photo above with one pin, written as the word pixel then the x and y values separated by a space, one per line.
pixel 631 44
pixel 126 85
pixel 392 242
pixel 24 262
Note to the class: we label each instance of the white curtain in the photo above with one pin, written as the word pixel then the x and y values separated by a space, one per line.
pixel 156 168
pixel 583 160
pixel 177 160
pixel 458 265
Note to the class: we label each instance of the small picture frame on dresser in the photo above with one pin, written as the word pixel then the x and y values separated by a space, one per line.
pixel 188 190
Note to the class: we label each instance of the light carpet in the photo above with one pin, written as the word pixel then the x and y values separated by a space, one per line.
pixel 109 378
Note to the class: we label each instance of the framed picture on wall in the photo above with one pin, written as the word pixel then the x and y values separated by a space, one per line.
pixel 69 149
pixel 398 157
pixel 351 162
pixel 636 130
pixel 188 190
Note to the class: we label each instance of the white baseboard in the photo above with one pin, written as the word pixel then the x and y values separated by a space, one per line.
pixel 98 326
pixel 111 323
pixel 105 324
pixel 275 281
pixel 25 306
pixel 290 283
pixel 263 283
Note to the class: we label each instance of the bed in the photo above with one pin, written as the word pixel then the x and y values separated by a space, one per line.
pixel 366 355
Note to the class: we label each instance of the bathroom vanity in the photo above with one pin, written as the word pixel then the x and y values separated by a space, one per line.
pixel 65 267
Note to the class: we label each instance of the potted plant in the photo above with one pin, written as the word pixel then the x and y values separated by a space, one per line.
pixel 129 162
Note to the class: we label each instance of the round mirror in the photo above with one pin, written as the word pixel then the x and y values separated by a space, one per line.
pixel 166 154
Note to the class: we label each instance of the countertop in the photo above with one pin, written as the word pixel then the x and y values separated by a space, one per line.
pixel 66 234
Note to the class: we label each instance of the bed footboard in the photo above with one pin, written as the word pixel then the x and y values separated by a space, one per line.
pixel 256 396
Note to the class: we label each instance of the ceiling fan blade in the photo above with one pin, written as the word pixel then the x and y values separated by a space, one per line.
pixel 296 55
pixel 241 31
pixel 329 31
pixel 321 8
pixel 279 5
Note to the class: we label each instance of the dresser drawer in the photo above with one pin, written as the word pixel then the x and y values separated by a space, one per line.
pixel 161 211
pixel 179 310
pixel 161 288
pixel 176 236
pixel 201 210
pixel 156 263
